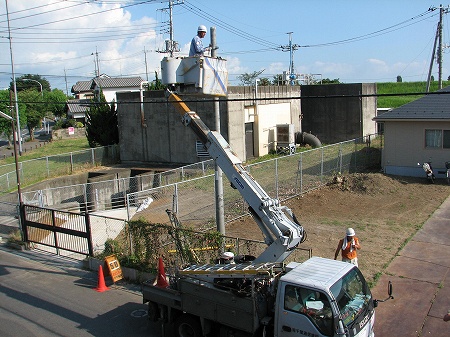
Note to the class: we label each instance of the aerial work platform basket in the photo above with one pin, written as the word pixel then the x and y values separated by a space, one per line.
pixel 196 75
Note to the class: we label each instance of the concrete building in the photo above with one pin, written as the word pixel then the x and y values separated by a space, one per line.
pixel 338 112
pixel 152 131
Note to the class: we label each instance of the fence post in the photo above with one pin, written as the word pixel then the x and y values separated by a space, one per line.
pixel 87 220
pixel 71 163
pixel 55 237
pixel 175 199
pixel 276 177
pixel 321 166
pixel 300 172
pixel 93 156
pixel 48 167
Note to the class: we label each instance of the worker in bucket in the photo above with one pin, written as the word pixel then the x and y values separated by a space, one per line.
pixel 348 247
pixel 197 48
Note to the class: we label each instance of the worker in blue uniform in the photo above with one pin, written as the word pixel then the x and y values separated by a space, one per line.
pixel 197 48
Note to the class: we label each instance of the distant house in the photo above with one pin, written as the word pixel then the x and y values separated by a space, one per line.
pixel 85 91
pixel 111 85
pixel 76 109
pixel 82 89
pixel 417 132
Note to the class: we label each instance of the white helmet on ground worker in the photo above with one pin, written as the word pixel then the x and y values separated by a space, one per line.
pixel 201 28
pixel 350 232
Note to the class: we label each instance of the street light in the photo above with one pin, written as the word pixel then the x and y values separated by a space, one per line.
pixel 30 80
pixel 19 192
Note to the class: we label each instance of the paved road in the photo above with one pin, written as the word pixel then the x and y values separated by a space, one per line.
pixel 48 296
pixel 420 274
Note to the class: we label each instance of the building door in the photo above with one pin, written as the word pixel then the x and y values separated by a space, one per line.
pixel 249 145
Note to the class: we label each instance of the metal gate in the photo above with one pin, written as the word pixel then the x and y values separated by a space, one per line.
pixel 60 230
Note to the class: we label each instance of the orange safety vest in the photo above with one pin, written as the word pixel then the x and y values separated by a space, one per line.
pixel 346 253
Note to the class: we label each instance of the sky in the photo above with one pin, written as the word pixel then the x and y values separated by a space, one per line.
pixel 351 40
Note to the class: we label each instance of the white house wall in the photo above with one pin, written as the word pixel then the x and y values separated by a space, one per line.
pixel 405 148
pixel 267 118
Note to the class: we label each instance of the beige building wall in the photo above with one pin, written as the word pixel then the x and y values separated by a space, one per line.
pixel 267 118
pixel 405 147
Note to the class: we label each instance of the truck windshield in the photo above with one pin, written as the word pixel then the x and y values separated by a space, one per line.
pixel 352 296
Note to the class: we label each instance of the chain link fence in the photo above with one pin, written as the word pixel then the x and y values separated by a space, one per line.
pixel 285 177
pixel 36 170
pixel 189 193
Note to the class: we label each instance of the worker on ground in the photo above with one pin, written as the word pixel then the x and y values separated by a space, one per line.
pixel 348 247
pixel 197 48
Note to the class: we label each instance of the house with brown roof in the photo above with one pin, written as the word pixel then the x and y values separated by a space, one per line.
pixel 415 133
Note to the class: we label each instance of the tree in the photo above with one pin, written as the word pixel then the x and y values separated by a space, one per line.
pixel 34 107
pixel 329 81
pixel 156 84
pixel 399 79
pixel 264 82
pixel 249 78
pixel 55 102
pixel 27 85
pixel 101 123
pixel 5 125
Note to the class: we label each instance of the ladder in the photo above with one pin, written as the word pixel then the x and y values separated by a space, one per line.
pixel 233 270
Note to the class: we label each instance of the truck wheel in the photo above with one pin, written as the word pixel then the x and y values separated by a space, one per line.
pixel 188 326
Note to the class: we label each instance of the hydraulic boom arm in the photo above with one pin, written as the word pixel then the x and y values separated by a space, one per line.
pixel 282 232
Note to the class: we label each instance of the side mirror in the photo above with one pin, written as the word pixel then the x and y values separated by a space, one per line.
pixel 390 297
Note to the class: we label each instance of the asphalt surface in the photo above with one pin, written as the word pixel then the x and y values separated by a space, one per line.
pixel 39 141
pixel 420 275
pixel 47 295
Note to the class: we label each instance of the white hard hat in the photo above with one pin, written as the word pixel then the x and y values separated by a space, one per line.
pixel 201 28
pixel 227 255
pixel 350 232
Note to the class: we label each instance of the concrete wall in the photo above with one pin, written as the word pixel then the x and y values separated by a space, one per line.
pixel 157 136
pixel 333 118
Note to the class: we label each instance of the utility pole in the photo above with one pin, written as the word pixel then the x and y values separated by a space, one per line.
pixel 96 64
pixel 218 181
pixel 146 69
pixel 65 79
pixel 16 104
pixel 291 47
pixel 171 45
pixel 437 42
pixel 439 54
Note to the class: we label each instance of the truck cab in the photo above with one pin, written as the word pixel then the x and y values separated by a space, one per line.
pixel 323 297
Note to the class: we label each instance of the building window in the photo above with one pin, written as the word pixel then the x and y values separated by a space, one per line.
pixel 437 139
pixel 433 138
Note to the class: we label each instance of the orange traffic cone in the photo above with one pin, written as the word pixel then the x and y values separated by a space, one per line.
pixel 161 280
pixel 101 286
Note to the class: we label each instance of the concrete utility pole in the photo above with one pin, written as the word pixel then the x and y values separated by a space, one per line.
pixel 291 47
pixel 171 45
pixel 439 55
pixel 16 103
pixel 218 181
pixel 437 42
pixel 96 64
